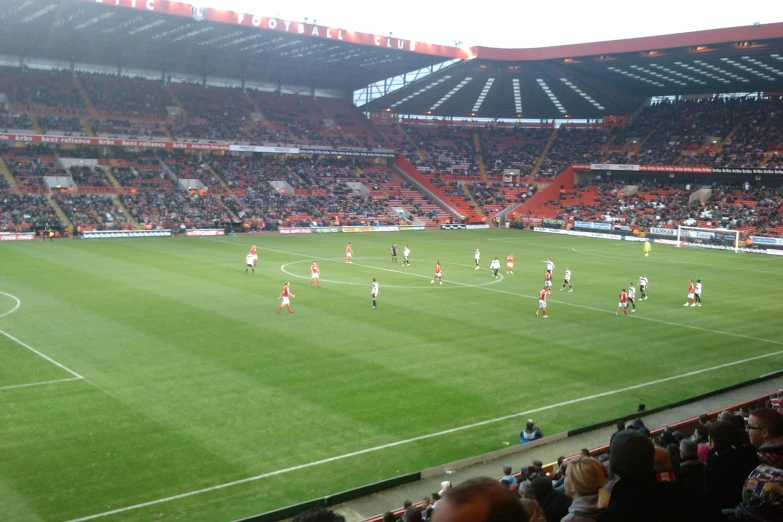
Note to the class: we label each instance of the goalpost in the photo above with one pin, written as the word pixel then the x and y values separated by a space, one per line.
pixel 714 236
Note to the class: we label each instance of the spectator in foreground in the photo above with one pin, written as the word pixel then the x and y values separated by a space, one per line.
pixel 729 463
pixel 533 510
pixel 412 514
pixel 584 483
pixel 553 503
pixel 509 477
pixel 480 500
pixel 639 497
pixel 765 429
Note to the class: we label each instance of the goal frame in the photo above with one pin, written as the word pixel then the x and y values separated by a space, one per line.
pixel 681 229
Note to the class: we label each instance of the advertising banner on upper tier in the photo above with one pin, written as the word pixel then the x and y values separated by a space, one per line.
pixel 115 234
pixel 206 232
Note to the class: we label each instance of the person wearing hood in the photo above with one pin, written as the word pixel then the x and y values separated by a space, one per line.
pixel 638 496
pixel 729 463
pixel 553 503
pixel 584 483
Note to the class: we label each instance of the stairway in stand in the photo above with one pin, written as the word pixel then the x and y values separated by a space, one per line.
pixel 480 155
pixel 59 211
pixel 6 172
pixel 87 101
pixel 541 158
pixel 124 209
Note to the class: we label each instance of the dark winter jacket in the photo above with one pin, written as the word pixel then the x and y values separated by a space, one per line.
pixel 727 469
pixel 691 475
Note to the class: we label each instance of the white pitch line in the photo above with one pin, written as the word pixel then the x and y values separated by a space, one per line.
pixel 29 385
pixel 15 308
pixel 637 317
pixel 18 304
pixel 415 439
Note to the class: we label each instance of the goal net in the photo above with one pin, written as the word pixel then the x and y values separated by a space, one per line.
pixel 716 237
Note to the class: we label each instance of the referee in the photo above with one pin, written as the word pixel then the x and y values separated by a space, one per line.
pixel 394 252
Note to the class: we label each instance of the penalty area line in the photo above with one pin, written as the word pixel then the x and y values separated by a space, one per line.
pixel 417 439
pixel 43 383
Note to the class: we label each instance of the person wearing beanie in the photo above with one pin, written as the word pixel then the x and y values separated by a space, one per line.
pixel 639 497
pixel 553 503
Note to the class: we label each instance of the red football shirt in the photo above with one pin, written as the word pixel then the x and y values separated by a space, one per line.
pixel 623 297
pixel 547 277
pixel 542 295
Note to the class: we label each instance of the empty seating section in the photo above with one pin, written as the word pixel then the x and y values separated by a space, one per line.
pixel 294 120
pixel 403 145
pixel 357 131
pixel 512 148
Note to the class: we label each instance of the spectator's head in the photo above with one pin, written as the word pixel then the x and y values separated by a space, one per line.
pixel 704 419
pixel 538 465
pixel 584 452
pixel 586 476
pixel 389 517
pixel 534 511
pixel 560 460
pixel 540 488
pixel 507 470
pixel 479 500
pixel 319 515
pixel 620 426
pixel 724 434
pixel 724 415
pixel 764 425
pixel 407 504
pixel 631 453
pixel 701 432
pixel 689 450
pixel 412 514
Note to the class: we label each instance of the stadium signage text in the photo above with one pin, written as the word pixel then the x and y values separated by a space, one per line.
pixel 663 231
pixel 4 236
pixel 186 10
pixel 593 226
pixel 476 227
pixel 453 226
pixel 551 221
pixel 761 240
pixel 295 230
pixel 361 153
pixel 327 230
pixel 411 227
pixel 357 229
pixel 206 232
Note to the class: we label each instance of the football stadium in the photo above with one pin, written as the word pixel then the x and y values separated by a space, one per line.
pixel 262 269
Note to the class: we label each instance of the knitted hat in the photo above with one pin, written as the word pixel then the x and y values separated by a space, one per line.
pixel 631 453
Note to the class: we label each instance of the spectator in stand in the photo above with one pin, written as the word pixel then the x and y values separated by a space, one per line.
pixel 412 514
pixel 480 500
pixel 765 429
pixel 554 503
pixel 638 496
pixel 533 510
pixel 691 472
pixel 584 483
pixel 729 462
pixel 509 477
pixel 701 434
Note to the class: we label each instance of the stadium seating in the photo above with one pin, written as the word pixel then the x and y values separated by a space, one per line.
pixel 92 212
pixel 25 212
pixel 126 97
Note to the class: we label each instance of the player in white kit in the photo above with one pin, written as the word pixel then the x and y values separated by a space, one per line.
pixel 697 293
pixel 477 257
pixel 631 296
pixel 495 266
pixel 549 264
pixel 250 263
pixel 405 253
pixel 567 280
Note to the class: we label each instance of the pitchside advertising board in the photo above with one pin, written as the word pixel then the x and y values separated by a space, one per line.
pixel 206 232
pixel 114 234
pixel 349 230
pixel 7 236
pixel 458 226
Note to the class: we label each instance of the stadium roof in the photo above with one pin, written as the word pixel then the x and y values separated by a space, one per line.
pixel 581 81
pixel 174 36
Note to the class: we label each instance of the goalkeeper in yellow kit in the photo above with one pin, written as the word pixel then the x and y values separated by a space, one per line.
pixel 647 248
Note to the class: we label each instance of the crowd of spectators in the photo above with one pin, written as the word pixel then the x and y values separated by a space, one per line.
pixel 116 128
pixel 129 96
pixel 25 212
pixel 450 149
pixel 9 121
pixel 173 208
pixel 91 212
pixel 573 145
pixel 32 87
pixel 512 148
pixel 29 166
pixel 89 177
pixel 67 126
pixel 729 469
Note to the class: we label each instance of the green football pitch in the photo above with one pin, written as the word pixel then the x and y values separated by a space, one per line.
pixel 151 379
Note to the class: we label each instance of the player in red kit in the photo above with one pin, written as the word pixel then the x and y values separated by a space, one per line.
pixel 348 253
pixel 548 282
pixel 438 274
pixel 623 305
pixel 510 264
pixel 254 254
pixel 691 291
pixel 315 274
pixel 286 296
pixel 542 302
